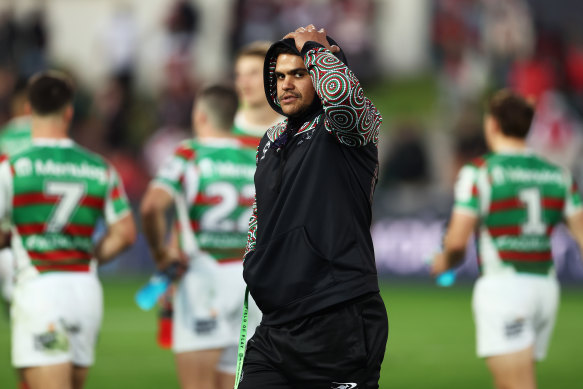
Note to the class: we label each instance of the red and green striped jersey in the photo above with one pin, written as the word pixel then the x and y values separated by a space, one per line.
pixel 519 198
pixel 211 181
pixel 54 193
pixel 16 135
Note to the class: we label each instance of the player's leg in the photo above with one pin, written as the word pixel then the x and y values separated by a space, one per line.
pixel 165 317
pixel 198 331
pixel 226 368
pixel 225 380
pixel 505 308
pixel 40 344
pixel 79 376
pixel 83 323
pixel 544 324
pixel 6 276
pixel 196 369
pixel 48 377
pixel 513 371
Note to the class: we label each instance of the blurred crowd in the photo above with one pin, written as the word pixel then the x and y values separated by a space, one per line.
pixel 476 46
pixel 136 131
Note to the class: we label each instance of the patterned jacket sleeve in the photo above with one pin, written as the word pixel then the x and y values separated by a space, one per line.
pixel 349 115
pixel 251 233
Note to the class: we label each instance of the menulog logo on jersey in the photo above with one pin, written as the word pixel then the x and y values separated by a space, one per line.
pixel 24 167
pixel 209 167
pixel 516 174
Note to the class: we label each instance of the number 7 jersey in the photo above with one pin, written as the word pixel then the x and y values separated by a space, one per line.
pixel 211 181
pixel 54 193
pixel 519 198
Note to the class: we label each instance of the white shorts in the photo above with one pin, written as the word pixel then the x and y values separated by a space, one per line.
pixel 56 318
pixel 7 270
pixel 514 312
pixel 208 305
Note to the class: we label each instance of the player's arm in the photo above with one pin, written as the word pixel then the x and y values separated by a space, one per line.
pixel 463 222
pixel 349 115
pixel 158 199
pixel 575 225
pixel 573 212
pixel 461 227
pixel 118 237
pixel 121 229
pixel 5 201
pixel 155 204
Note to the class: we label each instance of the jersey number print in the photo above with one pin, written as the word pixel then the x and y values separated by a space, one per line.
pixel 70 195
pixel 217 218
pixel 534 224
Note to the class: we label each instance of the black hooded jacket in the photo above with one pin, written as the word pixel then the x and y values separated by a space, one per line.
pixel 309 244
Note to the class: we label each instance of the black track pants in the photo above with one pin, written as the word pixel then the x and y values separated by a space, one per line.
pixel 339 348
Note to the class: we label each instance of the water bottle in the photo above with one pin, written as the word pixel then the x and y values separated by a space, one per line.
pixel 157 285
pixel 445 279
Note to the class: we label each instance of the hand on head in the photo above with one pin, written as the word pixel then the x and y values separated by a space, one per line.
pixel 310 33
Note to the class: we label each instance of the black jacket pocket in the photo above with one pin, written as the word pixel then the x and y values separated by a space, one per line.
pixel 285 269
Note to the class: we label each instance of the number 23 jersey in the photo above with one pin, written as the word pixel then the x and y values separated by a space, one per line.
pixel 211 181
pixel 519 198
pixel 54 193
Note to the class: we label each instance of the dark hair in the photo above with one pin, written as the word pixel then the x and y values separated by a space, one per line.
pixel 254 49
pixel 220 103
pixel 49 92
pixel 512 113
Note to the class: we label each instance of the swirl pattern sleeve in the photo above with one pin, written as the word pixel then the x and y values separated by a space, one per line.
pixel 349 115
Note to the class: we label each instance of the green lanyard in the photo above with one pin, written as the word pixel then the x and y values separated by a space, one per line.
pixel 242 339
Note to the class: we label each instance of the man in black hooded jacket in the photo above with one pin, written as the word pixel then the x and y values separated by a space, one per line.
pixel 310 263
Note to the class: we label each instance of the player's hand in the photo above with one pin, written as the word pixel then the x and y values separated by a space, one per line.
pixel 5 239
pixel 168 256
pixel 439 265
pixel 310 33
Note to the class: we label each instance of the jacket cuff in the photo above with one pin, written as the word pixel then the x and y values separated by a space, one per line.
pixel 309 45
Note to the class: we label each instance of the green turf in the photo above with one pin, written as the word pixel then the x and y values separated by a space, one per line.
pixel 431 342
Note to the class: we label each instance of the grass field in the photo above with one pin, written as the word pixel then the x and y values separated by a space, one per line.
pixel 431 342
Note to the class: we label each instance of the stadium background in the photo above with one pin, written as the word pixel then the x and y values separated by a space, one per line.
pixel 427 64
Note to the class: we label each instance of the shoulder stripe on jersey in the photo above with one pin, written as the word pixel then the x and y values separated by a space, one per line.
pixel 185 152
pixel 478 162
pixel 115 193
pixel 249 141
pixel 475 190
